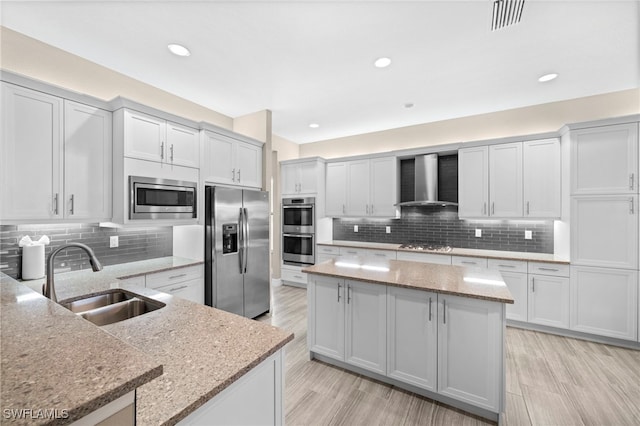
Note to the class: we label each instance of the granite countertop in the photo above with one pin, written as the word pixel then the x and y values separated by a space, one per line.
pixel 476 283
pixel 491 254
pixel 202 350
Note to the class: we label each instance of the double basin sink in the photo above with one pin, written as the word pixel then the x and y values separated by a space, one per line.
pixel 112 306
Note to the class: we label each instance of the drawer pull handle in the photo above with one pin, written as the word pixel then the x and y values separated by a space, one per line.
pixel 468 262
pixel 178 288
pixel 506 266
pixel 548 269
pixel 380 255
pixel 177 276
pixel 298 277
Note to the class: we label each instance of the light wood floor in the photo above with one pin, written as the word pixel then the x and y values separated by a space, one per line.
pixel 551 380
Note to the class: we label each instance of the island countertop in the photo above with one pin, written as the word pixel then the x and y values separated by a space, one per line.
pixel 448 279
pixel 202 350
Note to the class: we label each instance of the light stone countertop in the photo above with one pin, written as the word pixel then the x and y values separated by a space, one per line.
pixel 477 283
pixel 202 350
pixel 491 254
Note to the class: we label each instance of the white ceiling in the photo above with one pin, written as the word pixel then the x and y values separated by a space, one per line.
pixel 312 61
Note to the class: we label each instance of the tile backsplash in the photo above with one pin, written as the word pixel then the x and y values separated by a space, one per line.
pixel 440 225
pixel 134 244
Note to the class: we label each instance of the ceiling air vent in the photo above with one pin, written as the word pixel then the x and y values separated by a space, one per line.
pixel 505 13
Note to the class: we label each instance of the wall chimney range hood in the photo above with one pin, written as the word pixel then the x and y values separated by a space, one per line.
pixel 426 183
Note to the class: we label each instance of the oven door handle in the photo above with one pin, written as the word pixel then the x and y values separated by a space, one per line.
pixel 298 235
pixel 300 206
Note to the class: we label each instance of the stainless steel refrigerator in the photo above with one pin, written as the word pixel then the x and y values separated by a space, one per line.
pixel 237 250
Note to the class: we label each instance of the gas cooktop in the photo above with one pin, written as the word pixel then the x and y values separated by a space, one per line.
pixel 427 247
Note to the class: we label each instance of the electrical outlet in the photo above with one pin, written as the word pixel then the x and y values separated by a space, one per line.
pixel 355 228
pixel 528 235
pixel 388 229
pixel 478 233
pixel 113 241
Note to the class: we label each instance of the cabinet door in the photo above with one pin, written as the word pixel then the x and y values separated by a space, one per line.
pixel 87 162
pixel 604 301
pixel 542 172
pixel 144 136
pixel 505 180
pixel 470 262
pixel 412 337
pixel 249 165
pixel 384 187
pixel 183 146
pixel 366 319
pixel 549 300
pixel 289 179
pixel 605 160
pixel 218 164
pixel 31 155
pixel 336 190
pixel 190 290
pixel 470 350
pixel 604 231
pixel 358 183
pixel 473 182
pixel 517 284
pixel 308 177
pixel 326 303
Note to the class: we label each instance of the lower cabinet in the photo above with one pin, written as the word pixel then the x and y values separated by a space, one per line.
pixel 470 350
pixel 517 284
pixel 187 283
pixel 604 301
pixel 449 345
pixel 549 300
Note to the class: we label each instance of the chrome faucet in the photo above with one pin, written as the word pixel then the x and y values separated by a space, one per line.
pixel 48 288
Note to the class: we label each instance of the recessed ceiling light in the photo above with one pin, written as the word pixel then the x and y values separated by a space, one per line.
pixel 314 125
pixel 548 77
pixel 382 62
pixel 179 50
pixel 408 105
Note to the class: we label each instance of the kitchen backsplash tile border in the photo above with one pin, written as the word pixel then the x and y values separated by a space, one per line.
pixel 134 244
pixel 441 225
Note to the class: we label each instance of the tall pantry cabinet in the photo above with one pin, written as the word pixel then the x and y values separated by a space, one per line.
pixel 604 230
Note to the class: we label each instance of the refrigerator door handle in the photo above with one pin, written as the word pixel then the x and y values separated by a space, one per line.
pixel 246 239
pixel 241 243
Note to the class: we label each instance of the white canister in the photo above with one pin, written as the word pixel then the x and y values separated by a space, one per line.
pixel 33 262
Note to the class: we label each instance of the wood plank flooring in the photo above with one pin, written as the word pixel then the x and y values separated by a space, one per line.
pixel 551 380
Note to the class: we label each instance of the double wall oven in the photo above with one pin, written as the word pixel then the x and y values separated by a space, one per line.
pixel 298 231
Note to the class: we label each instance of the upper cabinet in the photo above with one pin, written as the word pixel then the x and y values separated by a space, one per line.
pixel 231 161
pixel 150 138
pixel 302 177
pixel 362 188
pixel 513 180
pixel 55 157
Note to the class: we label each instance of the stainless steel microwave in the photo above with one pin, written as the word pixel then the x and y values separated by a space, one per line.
pixel 152 198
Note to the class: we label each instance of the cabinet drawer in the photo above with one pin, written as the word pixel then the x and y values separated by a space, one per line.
pixel 191 290
pixel 442 259
pixel 508 265
pixel 382 254
pixel 139 281
pixel 320 258
pixel 293 276
pixel 555 269
pixel 472 262
pixel 174 276
pixel 350 251
pixel 328 250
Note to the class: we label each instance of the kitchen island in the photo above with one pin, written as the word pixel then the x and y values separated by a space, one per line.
pixel 436 330
pixel 204 355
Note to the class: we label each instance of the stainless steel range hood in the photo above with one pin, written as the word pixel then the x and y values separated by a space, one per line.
pixel 426 183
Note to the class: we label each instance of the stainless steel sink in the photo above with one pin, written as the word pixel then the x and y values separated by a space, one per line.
pixel 112 306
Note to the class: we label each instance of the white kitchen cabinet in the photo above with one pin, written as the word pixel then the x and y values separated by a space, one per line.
pixel 326 316
pixel 517 284
pixel 304 177
pixel 470 350
pixel 604 231
pixel 358 188
pixel 542 178
pixel 324 253
pixel 153 139
pixel 31 155
pixel 230 161
pixel 441 259
pixel 548 300
pixel 87 162
pixel 473 182
pixel 505 180
pixel 366 313
pixel 605 160
pixel 604 301
pixel 336 190
pixel 412 337
pixel 293 275
pixel 187 283
pixel 373 253
pixel 470 262
pixel 384 186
